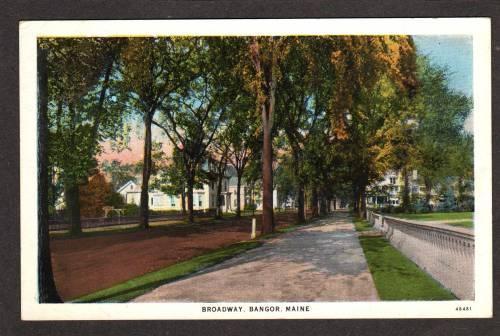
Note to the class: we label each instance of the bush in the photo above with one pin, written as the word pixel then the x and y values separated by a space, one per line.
pixel 164 212
pixel 115 200
pixel 131 209
pixel 250 207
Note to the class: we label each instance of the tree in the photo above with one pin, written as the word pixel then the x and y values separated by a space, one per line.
pixel 82 110
pixel 47 292
pixel 172 179
pixel 302 96
pixel 94 196
pixel 266 54
pixel 118 172
pixel 243 140
pixel 153 69
pixel 370 73
pixel 284 179
pixel 442 147
pixel 195 111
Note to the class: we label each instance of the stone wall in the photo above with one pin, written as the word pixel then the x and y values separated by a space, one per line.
pixel 446 253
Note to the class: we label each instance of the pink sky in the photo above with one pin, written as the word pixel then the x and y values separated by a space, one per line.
pixel 136 149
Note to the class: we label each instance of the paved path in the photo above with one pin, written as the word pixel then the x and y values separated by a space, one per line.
pixel 320 262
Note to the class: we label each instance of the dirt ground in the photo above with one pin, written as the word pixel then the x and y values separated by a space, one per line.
pixel 86 264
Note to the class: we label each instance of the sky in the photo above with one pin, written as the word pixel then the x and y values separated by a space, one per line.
pixel 453 52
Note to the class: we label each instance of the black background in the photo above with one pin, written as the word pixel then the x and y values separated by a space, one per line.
pixel 11 12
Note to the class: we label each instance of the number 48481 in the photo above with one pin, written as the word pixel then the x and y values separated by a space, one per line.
pixel 466 308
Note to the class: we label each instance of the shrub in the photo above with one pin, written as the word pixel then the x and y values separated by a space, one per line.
pixel 164 212
pixel 93 196
pixel 131 209
pixel 250 207
pixel 115 200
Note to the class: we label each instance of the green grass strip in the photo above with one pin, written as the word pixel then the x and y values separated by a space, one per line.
pixel 396 277
pixel 465 223
pixel 361 225
pixel 137 286
pixel 436 216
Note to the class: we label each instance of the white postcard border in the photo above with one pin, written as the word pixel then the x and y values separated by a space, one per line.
pixel 478 28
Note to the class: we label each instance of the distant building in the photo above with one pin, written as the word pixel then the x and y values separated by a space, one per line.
pixel 388 191
pixel 203 198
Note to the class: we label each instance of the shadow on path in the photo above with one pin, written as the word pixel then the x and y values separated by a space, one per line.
pixel 322 261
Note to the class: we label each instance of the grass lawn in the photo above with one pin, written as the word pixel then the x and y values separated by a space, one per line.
pixel 465 223
pixel 437 216
pixel 134 287
pixel 396 277
pixel 463 219
pixel 361 225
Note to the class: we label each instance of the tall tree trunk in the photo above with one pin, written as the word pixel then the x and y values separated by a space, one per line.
pixel 355 198
pixel 47 292
pixel 218 198
pixel 267 179
pixel 322 204
pixel 99 111
pixel 362 201
pixel 53 189
pixel 406 191
pixel 190 187
pixel 72 198
pixel 428 193
pixel 314 202
pixel 265 68
pixel 460 194
pixel 183 202
pixel 71 190
pixel 238 196
pixel 146 172
pixel 301 214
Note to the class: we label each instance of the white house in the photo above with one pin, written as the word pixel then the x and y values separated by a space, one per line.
pixel 203 198
pixel 388 191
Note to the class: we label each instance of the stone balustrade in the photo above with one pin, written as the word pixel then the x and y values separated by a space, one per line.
pixel 444 252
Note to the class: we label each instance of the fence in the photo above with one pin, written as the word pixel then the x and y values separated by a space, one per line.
pixel 447 254
pixel 89 223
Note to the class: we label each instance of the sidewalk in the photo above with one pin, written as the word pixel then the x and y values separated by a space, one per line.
pixel 320 262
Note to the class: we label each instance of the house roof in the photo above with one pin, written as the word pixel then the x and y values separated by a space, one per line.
pixel 126 185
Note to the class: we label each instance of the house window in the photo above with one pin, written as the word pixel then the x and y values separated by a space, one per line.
pixel 392 180
pixel 172 201
pixel 200 201
pixel 152 203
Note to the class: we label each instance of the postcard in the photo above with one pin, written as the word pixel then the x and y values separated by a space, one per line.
pixel 256 169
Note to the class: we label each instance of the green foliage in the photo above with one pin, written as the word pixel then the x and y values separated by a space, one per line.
pixel 250 207
pixel 131 209
pixel 115 200
pixel 444 150
pixel 284 180
pixel 362 225
pixel 118 172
